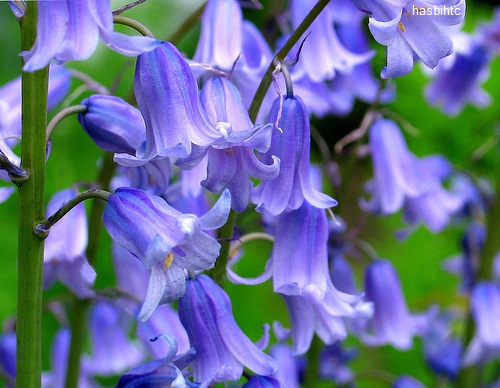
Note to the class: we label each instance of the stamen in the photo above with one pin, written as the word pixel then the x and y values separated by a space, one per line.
pixel 168 261
pixel 401 27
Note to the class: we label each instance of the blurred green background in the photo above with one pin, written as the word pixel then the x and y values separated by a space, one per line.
pixel 418 259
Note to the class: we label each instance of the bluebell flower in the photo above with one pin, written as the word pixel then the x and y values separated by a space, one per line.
pixel 333 363
pixel 231 161
pixel 324 317
pixel 64 254
pixel 162 372
pixel 221 34
pixel 412 29
pixel 466 264
pixel 8 356
pixel 56 377
pixel 401 180
pixel 299 255
pixel 392 323
pixel 167 95
pixel 116 126
pixel 485 307
pixel 290 367
pixel 112 350
pixel 442 350
pixel 164 239
pixel 70 30
pixel 407 382
pixel 222 348
pixel 291 145
pixel 323 54
pixel 262 382
pixel 10 102
pixel 113 124
pixel 458 83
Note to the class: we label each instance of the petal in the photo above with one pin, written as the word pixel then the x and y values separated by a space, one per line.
pixel 217 216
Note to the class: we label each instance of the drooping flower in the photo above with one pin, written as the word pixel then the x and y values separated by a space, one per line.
pixel 459 83
pixel 485 307
pixel 116 126
pixel 323 54
pixel 64 255
pixel 231 161
pixel 162 372
pixel 401 180
pixel 290 366
pixel 391 323
pixel 10 102
pixel 412 29
pixel 221 34
pixel 8 357
pixel 293 185
pixel 443 350
pixel 333 363
pixel 70 30
pixel 325 317
pixel 164 239
pixel 299 256
pixel 112 350
pixel 222 348
pixel 167 95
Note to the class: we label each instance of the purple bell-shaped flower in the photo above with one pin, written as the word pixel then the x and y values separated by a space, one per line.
pixel 222 348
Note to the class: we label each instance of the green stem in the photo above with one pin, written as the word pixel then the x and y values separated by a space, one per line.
pixel 31 211
pixel 218 272
pixel 139 27
pixel 82 306
pixel 280 56
pixel 43 227
pixel 66 112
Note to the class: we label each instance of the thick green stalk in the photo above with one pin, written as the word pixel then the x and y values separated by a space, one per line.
pixel 31 211
pixel 82 306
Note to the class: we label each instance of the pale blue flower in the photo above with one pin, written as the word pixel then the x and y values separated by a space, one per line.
pixel 167 241
pixel 222 348
pixel 69 30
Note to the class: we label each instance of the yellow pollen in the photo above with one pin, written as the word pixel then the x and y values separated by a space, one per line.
pixel 168 261
pixel 401 27
pixel 229 151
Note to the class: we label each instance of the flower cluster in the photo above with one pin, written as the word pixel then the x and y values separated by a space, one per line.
pixel 202 162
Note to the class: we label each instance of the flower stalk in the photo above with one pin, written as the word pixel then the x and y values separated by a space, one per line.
pixel 31 211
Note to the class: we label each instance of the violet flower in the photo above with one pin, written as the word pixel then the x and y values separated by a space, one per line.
pixel 8 356
pixel 231 160
pixel 64 255
pixel 262 382
pixel 167 95
pixel 412 29
pixel 293 185
pixel 113 124
pixel 290 366
pixel 10 102
pixel 164 239
pixel 458 84
pixel 403 180
pixel 391 323
pixel 161 372
pixel 112 350
pixel 222 348
pixel 116 126
pixel 323 317
pixel 221 34
pixel 69 30
pixel 299 255
pixel 485 306
pixel 323 54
